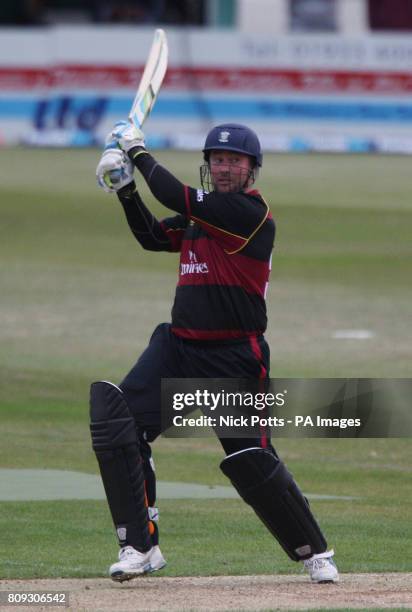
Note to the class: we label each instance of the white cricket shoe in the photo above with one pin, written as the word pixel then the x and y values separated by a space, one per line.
pixel 133 563
pixel 322 567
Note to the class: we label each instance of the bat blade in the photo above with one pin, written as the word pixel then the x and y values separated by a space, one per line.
pixel 151 81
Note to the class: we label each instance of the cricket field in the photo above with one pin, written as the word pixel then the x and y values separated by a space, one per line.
pixel 79 300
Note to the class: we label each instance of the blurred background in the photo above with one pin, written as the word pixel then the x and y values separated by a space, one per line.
pixel 323 75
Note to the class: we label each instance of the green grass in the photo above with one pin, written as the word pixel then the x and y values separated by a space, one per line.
pixel 80 299
pixel 51 544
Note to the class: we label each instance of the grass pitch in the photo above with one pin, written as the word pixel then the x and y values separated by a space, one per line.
pixel 80 299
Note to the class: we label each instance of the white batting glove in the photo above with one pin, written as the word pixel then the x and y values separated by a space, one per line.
pixel 127 136
pixel 114 171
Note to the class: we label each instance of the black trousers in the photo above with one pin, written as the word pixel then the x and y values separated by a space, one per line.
pixel 169 356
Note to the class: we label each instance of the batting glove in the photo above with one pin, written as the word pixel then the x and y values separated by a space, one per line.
pixel 114 171
pixel 127 136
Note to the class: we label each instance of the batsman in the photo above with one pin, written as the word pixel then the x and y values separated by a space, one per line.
pixel 217 330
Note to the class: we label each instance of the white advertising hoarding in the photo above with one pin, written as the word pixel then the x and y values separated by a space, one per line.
pixel 66 86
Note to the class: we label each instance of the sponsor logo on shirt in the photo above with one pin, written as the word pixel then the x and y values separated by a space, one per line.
pixel 194 266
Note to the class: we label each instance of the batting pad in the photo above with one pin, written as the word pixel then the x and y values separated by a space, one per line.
pixel 115 443
pixel 264 483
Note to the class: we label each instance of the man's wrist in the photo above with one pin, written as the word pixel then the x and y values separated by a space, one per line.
pixel 135 152
pixel 127 190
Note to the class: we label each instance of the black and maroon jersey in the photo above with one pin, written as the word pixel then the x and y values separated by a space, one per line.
pixel 225 242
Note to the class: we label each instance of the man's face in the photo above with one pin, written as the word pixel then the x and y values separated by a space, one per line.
pixel 230 171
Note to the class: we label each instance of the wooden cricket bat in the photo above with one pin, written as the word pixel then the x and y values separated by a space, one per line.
pixel 149 87
pixel 151 81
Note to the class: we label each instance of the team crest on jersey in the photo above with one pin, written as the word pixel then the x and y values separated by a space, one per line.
pixel 224 136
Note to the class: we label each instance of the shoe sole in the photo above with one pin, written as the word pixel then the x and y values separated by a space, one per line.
pixel 124 576
pixel 328 581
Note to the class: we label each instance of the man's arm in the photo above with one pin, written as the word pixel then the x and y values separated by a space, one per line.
pixel 115 175
pixel 149 232
pixel 163 184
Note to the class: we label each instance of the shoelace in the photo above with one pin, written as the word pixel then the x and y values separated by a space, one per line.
pixel 316 563
pixel 127 552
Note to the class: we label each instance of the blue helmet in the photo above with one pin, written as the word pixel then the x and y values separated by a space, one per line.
pixel 233 137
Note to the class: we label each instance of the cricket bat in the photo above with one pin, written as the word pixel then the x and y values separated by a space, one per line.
pixel 147 91
pixel 151 81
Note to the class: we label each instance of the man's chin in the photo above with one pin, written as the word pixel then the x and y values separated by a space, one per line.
pixel 224 188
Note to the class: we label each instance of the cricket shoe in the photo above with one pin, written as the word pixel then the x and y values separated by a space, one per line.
pixel 322 568
pixel 133 563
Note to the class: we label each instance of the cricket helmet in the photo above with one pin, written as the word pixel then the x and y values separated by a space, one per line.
pixel 233 137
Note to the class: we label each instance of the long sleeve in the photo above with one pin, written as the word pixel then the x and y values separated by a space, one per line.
pixel 152 234
pixel 164 186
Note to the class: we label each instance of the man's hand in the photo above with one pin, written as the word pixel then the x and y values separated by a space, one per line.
pixel 127 136
pixel 114 171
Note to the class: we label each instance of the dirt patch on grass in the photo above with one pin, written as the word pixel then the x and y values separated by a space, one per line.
pixel 227 592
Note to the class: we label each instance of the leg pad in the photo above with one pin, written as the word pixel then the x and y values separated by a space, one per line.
pixel 111 424
pixel 264 482
pixel 115 442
